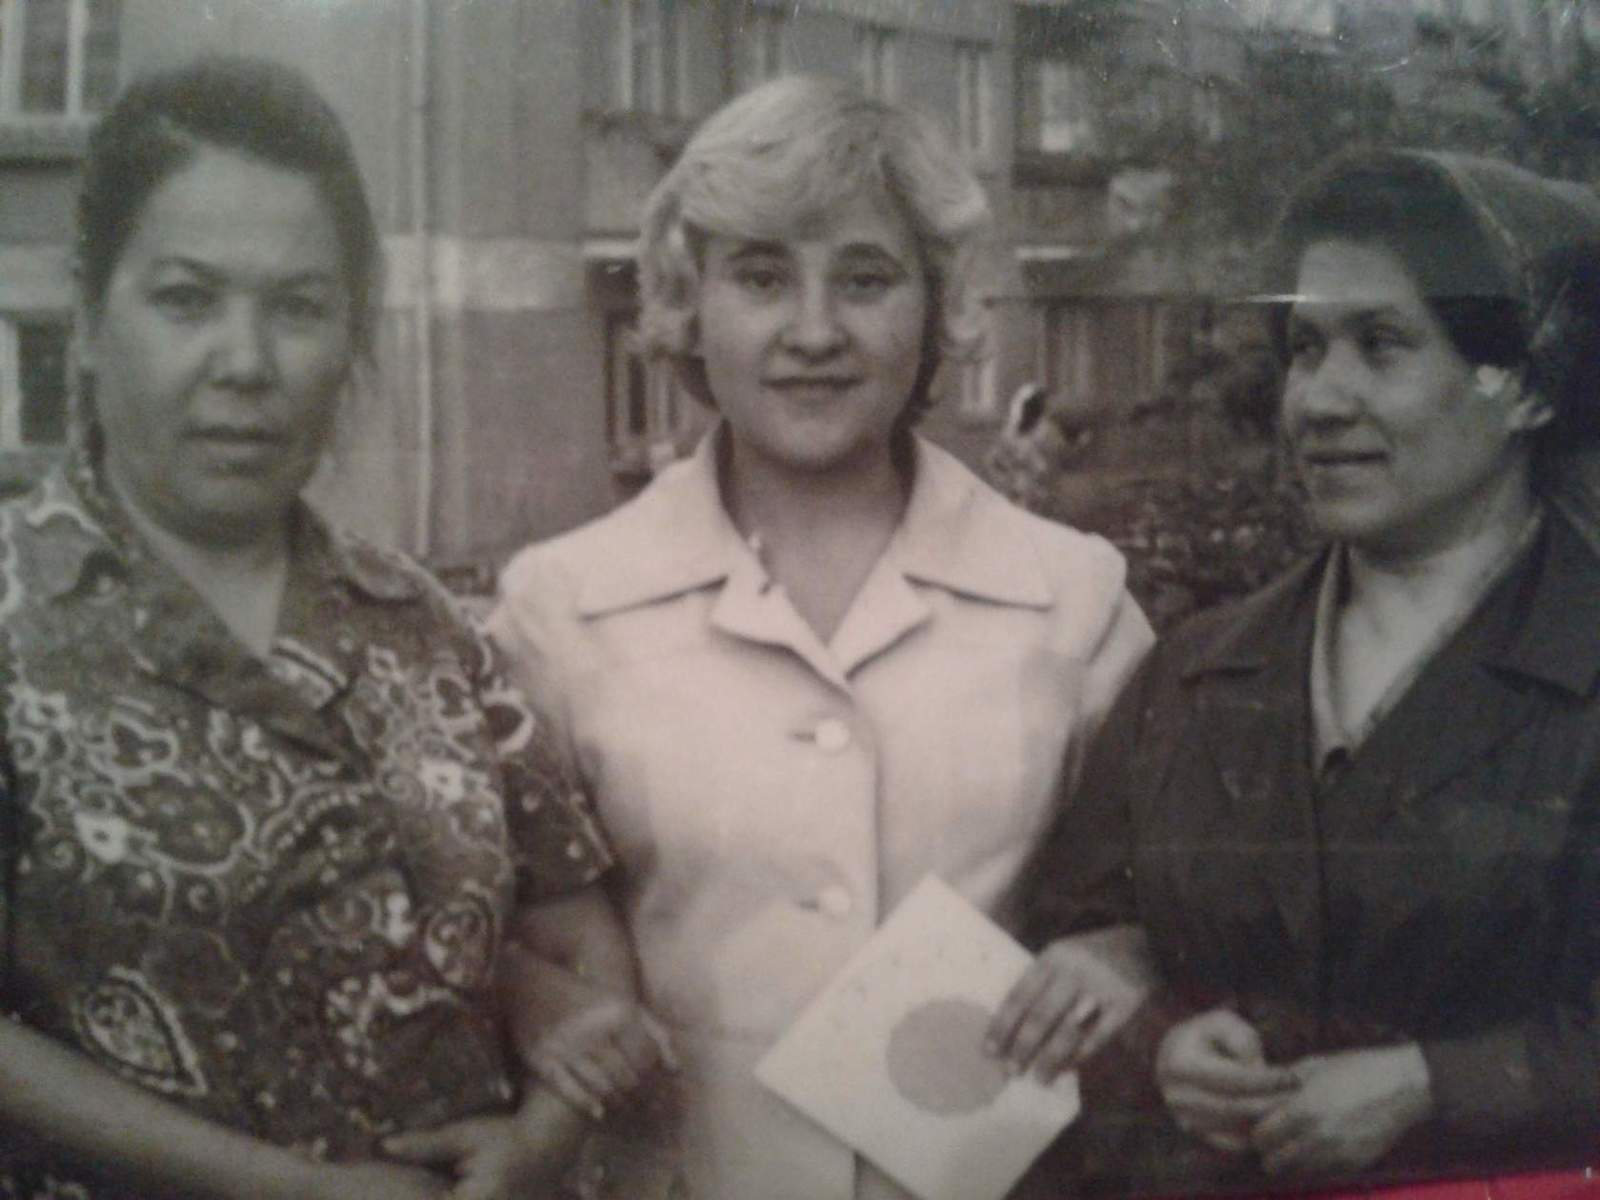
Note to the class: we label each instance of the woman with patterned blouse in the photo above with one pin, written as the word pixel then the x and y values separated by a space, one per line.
pixel 269 817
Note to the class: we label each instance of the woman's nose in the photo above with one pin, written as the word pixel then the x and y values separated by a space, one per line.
pixel 243 354
pixel 1327 390
pixel 814 328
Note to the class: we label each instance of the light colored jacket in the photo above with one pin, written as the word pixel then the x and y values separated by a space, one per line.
pixel 772 798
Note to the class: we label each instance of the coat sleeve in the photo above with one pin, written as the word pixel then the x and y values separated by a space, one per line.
pixel 1080 875
pixel 1542 1073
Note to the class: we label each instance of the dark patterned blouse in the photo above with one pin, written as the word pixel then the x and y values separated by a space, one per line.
pixel 272 890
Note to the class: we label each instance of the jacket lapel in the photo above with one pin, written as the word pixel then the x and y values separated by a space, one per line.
pixel 1539 626
pixel 1252 712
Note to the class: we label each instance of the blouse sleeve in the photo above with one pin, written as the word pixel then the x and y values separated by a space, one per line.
pixel 557 845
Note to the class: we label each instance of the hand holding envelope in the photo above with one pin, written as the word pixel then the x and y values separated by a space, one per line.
pixel 890 1058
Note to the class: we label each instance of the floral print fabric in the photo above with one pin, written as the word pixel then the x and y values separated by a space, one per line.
pixel 273 890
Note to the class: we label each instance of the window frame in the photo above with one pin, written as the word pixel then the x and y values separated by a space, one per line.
pixel 13 402
pixel 13 39
pixel 653 85
pixel 877 60
pixel 762 47
pixel 975 99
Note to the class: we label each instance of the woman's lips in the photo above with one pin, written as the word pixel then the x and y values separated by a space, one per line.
pixel 812 389
pixel 1340 458
pixel 239 445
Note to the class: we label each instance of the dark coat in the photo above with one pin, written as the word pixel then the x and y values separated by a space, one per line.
pixel 1443 887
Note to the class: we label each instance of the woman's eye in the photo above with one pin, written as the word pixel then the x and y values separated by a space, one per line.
pixel 1303 348
pixel 1382 345
pixel 759 279
pixel 302 308
pixel 866 285
pixel 185 301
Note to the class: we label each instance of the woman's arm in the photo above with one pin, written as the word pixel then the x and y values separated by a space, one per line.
pixel 54 1095
pixel 571 986
pixel 1540 1074
pixel 1079 876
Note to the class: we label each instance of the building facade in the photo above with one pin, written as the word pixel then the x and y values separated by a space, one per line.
pixel 1155 139
pixel 1134 150
pixel 507 146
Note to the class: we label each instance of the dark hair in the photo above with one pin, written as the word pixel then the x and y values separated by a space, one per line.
pixel 1408 207
pixel 1564 349
pixel 259 109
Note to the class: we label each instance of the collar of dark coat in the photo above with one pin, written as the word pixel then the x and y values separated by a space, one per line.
pixel 1547 617
pixel 88 534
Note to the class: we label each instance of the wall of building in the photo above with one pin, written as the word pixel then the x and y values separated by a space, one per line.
pixel 480 427
pixel 506 169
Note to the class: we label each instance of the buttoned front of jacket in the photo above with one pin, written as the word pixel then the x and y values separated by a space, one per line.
pixel 772 798
pixel 1438 887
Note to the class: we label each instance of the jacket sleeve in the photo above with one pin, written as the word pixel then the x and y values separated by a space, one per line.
pixel 1080 875
pixel 1542 1073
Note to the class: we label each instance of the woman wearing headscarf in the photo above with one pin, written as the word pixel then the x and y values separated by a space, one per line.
pixel 820 659
pixel 1357 816
pixel 270 819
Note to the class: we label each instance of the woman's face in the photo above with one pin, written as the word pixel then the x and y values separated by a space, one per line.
pixel 220 347
pixel 1401 446
pixel 812 343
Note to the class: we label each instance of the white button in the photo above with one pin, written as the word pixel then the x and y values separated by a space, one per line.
pixel 833 735
pixel 835 901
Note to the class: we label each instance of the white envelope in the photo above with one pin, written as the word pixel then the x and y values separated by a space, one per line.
pixel 889 1057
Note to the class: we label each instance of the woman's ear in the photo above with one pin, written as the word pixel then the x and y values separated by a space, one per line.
pixel 1526 407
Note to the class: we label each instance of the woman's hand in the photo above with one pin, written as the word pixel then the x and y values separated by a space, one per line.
pixel 1348 1112
pixel 371 1181
pixel 1075 996
pixel 497 1158
pixel 570 984
pixel 1216 1080
pixel 597 1055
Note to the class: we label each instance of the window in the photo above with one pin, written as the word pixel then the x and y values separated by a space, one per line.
pixel 649 420
pixel 1210 118
pixel 875 65
pixel 650 67
pixel 33 381
pixel 761 50
pixel 980 400
pixel 57 57
pixel 975 98
pixel 1066 108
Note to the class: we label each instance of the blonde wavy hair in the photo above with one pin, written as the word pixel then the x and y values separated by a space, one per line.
pixel 788 152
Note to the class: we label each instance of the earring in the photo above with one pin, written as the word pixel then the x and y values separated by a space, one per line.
pixel 1530 413
pixel 1491 381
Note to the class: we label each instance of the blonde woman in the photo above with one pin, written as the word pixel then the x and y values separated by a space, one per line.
pixel 819 659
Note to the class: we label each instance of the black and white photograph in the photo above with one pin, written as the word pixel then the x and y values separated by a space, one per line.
pixel 799 599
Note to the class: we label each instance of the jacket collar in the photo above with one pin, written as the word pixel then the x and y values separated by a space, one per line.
pixel 957 534
pixel 1552 634
pixel 1253 638
pixel 1547 634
